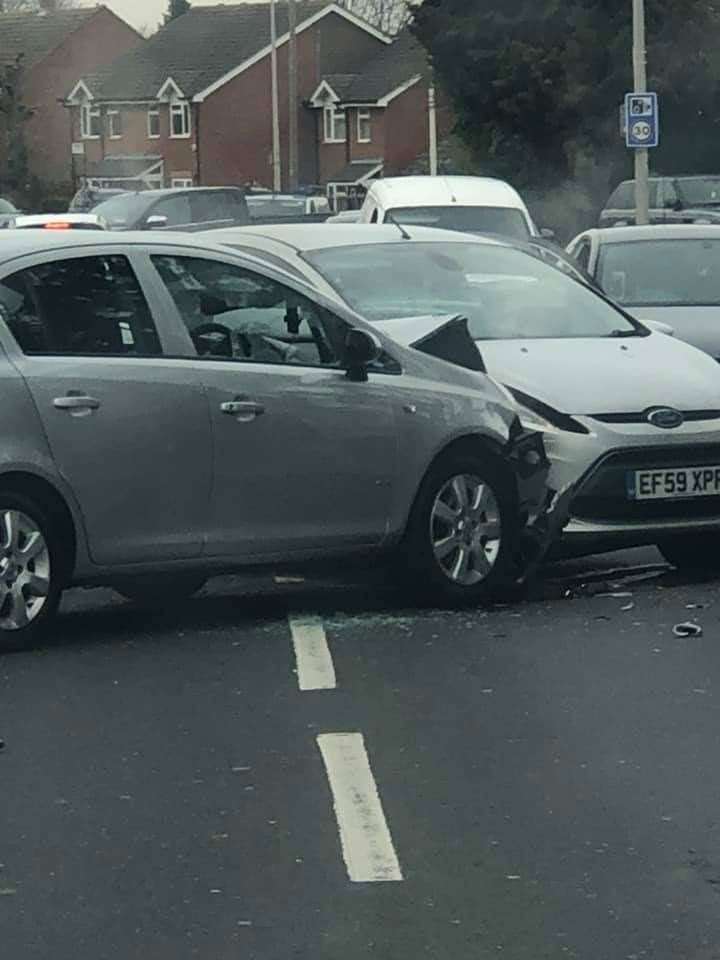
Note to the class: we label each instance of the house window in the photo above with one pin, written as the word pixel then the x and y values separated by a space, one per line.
pixel 334 125
pixel 180 182
pixel 89 122
pixel 114 119
pixel 180 119
pixel 364 126
pixel 153 124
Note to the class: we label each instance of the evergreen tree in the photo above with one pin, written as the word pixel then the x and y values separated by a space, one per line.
pixel 176 8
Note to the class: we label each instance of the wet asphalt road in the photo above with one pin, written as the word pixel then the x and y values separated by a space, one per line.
pixel 547 772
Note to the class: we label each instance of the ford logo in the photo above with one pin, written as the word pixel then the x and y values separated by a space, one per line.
pixel 665 417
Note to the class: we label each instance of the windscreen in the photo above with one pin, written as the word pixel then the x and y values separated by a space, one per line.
pixel 689 275
pixel 123 210
pixel 6 206
pixel 506 221
pixel 504 293
pixel 699 191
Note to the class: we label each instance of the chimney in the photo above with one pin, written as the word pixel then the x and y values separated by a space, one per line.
pixel 47 6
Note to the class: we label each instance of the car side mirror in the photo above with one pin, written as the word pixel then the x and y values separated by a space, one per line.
pixel 156 221
pixel 657 326
pixel 361 349
pixel 547 234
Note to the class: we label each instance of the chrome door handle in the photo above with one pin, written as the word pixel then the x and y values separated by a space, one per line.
pixel 242 410
pixel 75 401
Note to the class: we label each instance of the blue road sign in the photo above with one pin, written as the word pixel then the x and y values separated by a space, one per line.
pixel 642 121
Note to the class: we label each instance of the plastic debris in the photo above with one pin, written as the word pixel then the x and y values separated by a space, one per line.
pixel 687 630
pixel 2 744
pixel 628 606
pixel 621 595
pixel 289 579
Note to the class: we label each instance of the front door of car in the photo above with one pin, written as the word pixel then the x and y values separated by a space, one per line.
pixel 128 428
pixel 304 458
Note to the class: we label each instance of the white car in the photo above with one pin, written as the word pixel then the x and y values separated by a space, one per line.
pixel 668 273
pixel 629 414
pixel 473 204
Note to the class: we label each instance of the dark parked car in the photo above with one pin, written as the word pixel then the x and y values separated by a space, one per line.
pixel 191 208
pixel 87 198
pixel 672 200
pixel 7 212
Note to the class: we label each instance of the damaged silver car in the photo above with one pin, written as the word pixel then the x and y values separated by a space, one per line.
pixel 173 409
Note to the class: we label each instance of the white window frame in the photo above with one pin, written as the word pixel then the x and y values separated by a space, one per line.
pixel 153 113
pixel 110 115
pixel 88 113
pixel 364 116
pixel 331 116
pixel 180 108
pixel 179 183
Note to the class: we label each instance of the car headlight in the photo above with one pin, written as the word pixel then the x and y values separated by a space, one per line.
pixel 536 415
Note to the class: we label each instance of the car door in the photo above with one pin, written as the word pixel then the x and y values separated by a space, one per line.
pixel 213 209
pixel 173 212
pixel 304 459
pixel 128 427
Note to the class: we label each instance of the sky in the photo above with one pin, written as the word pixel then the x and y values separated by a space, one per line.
pixel 144 15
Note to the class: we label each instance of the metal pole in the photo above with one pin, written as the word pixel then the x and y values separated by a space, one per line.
pixel 292 97
pixel 432 131
pixel 277 170
pixel 642 172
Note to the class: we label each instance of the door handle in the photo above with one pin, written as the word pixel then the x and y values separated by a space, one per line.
pixel 243 410
pixel 76 401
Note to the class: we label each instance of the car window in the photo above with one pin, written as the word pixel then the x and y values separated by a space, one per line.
pixel 209 205
pixel 690 274
pixel 270 258
pixel 507 221
pixel 504 292
pixel 582 254
pixel 122 210
pixel 79 306
pixel 175 209
pixel 6 206
pixel 236 313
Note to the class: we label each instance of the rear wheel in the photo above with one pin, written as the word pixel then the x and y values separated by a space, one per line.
pixel 460 537
pixel 692 552
pixel 30 571
pixel 161 591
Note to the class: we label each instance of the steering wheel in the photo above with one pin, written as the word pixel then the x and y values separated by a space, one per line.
pixel 203 329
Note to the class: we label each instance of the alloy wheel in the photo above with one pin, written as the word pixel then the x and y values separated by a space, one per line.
pixel 24 570
pixel 465 529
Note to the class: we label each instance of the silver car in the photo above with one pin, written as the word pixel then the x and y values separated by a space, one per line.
pixel 667 274
pixel 172 409
pixel 630 416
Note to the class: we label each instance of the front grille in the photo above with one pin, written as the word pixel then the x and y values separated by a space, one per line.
pixel 641 417
pixel 603 495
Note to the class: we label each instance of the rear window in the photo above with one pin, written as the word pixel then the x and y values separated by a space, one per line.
pixel 506 221
pixel 623 198
pixel 6 206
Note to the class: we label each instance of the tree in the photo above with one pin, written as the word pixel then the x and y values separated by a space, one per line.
pixel 176 8
pixel 13 116
pixel 536 84
pixel 387 15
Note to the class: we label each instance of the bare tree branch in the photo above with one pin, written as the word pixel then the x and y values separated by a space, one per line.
pixel 387 15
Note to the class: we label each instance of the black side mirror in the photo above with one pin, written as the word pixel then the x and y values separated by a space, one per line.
pixel 361 349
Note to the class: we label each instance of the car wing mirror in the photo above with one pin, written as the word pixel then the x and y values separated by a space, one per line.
pixel 156 221
pixel 361 349
pixel 547 234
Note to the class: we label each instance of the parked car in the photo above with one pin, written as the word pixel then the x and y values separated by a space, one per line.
pixel 7 212
pixel 474 204
pixel 87 198
pixel 345 216
pixel 672 200
pixel 189 208
pixel 630 415
pixel 668 274
pixel 266 207
pixel 172 409
pixel 57 221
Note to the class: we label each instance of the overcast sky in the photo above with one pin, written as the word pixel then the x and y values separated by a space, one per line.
pixel 144 15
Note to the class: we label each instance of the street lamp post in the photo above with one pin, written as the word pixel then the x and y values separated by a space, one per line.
pixel 642 172
pixel 277 173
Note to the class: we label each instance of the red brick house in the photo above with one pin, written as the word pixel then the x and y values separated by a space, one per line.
pixel 55 46
pixel 193 103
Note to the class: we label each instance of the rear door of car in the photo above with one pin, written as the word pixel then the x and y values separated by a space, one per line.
pixel 128 425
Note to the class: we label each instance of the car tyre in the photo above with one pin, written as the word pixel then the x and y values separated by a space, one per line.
pixel 161 591
pixel 459 544
pixel 32 565
pixel 694 553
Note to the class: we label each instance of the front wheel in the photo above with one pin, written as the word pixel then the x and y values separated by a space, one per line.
pixel 460 537
pixel 693 552
pixel 30 565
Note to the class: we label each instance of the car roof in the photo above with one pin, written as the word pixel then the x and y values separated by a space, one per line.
pixel 320 236
pixel 31 218
pixel 19 243
pixel 172 191
pixel 657 231
pixel 434 191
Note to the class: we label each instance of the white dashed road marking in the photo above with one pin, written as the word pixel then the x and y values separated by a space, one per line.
pixel 364 835
pixel 315 670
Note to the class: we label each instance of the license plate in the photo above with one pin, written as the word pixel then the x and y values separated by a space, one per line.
pixel 673 484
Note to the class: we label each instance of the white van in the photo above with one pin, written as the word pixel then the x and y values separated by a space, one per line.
pixel 467 204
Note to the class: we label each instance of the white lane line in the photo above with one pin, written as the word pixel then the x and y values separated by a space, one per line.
pixel 315 669
pixel 364 836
